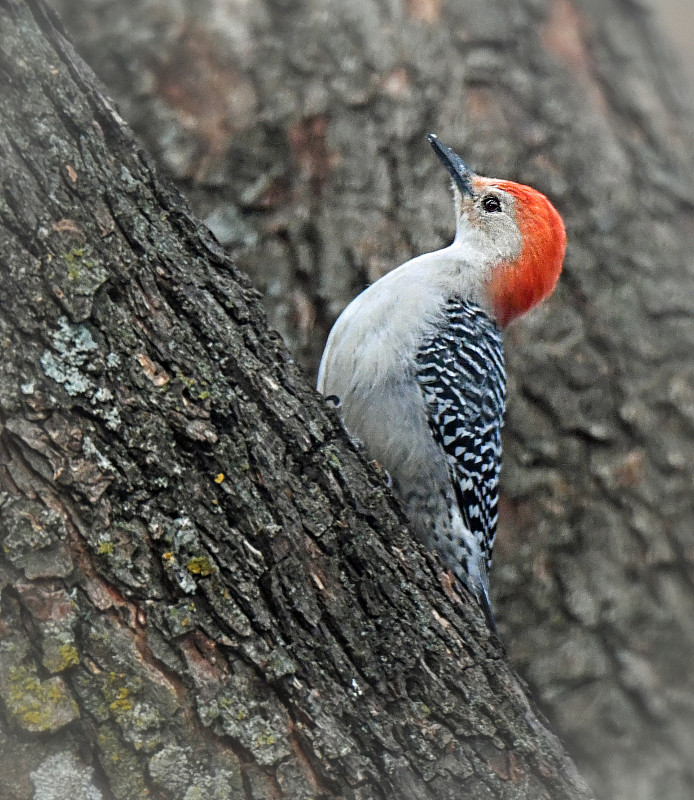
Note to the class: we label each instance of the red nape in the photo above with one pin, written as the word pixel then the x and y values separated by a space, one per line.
pixel 519 285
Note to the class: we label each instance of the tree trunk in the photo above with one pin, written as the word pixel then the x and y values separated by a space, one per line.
pixel 205 588
pixel 298 131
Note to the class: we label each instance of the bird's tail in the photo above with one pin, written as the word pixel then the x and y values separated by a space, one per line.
pixel 476 579
pixel 486 606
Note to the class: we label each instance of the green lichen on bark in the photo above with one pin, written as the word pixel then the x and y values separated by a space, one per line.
pixel 59 657
pixel 179 772
pixel 34 538
pixel 73 347
pixel 121 764
pixel 63 776
pixel 239 711
pixel 200 565
pixel 37 705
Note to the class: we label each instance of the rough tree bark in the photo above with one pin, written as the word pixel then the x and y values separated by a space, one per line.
pixel 297 129
pixel 205 588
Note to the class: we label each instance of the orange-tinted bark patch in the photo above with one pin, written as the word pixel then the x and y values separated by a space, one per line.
pixel 564 35
pixel 424 10
pixel 312 156
pixel 209 96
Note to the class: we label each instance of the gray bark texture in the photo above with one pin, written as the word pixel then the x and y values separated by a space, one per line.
pixel 297 129
pixel 206 590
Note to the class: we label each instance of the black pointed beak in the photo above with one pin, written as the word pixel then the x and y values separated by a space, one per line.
pixel 460 172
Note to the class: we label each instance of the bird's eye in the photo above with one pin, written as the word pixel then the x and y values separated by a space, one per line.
pixel 491 203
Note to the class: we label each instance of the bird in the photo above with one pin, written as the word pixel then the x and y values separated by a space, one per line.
pixel 415 364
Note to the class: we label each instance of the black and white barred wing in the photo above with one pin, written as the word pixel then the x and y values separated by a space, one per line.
pixel 461 375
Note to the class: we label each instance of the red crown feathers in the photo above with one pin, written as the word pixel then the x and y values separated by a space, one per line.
pixel 517 286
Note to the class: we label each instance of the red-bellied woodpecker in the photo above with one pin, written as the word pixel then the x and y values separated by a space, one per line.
pixel 415 363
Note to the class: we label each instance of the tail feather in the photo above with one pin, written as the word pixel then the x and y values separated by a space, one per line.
pixel 476 580
pixel 486 606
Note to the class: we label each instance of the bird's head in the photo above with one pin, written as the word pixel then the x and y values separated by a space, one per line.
pixel 512 234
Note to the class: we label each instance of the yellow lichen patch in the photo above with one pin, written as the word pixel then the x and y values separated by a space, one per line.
pixel 76 252
pixel 69 656
pixel 72 259
pixel 266 739
pixel 58 659
pixel 219 478
pixel 200 565
pixel 105 548
pixel 118 695
pixel 186 380
pixel 38 706
pixel 167 556
pixel 121 703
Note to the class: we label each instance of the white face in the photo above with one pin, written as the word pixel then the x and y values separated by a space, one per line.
pixel 486 224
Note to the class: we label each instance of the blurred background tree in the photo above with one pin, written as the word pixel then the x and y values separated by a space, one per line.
pixel 297 131
pixel 676 18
